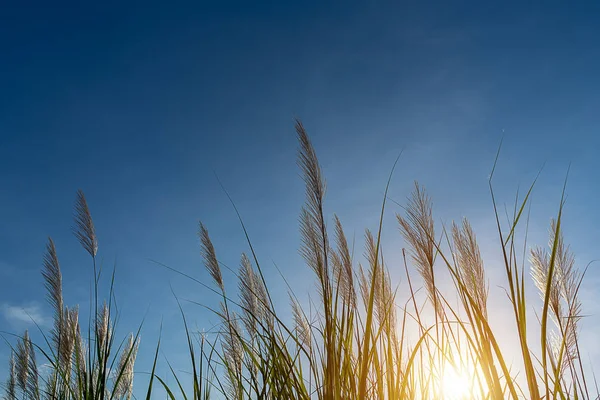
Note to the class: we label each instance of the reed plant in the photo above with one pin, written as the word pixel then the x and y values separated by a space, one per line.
pixel 80 366
pixel 363 336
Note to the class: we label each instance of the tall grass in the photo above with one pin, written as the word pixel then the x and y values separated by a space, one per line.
pixel 91 367
pixel 362 337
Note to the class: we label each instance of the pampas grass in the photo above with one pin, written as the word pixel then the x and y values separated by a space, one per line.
pixel 361 337
pixel 78 368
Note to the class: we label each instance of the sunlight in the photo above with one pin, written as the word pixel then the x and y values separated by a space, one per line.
pixel 455 385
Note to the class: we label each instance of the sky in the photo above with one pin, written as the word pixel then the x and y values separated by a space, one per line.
pixel 142 104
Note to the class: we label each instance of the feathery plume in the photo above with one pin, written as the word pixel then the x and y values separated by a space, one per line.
pixel 233 354
pixel 264 303
pixel 312 224
pixel 26 368
pixel 80 353
pixel 563 299
pixel 371 256
pixel 565 279
pixel 303 330
pixel 418 230
pixel 124 386
pixel 33 386
pixel 210 257
pixel 540 266
pixel 363 284
pixel 11 393
pixel 312 174
pixel 250 292
pixel 312 247
pixel 470 263
pixel 103 330
pixel 248 299
pixel 382 293
pixel 84 225
pixel 68 334
pixel 53 283
pixel 22 365
pixel 342 265
pixel 51 386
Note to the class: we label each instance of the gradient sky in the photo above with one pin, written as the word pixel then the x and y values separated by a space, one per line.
pixel 140 104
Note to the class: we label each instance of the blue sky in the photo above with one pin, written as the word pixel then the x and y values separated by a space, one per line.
pixel 139 104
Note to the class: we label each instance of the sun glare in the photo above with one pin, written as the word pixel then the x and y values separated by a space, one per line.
pixel 455 385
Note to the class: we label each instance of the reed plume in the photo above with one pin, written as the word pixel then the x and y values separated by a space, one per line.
pixel 253 297
pixel 233 355
pixel 26 370
pixel 11 384
pixel 103 330
pixel 80 353
pixel 77 370
pixel 23 355
pixel 53 283
pixel 342 265
pixel 302 326
pixel 209 256
pixel 417 228
pixel 470 264
pixel 563 296
pixel 84 225
pixel 124 385
pixel 312 223
pixel 379 292
pixel 68 334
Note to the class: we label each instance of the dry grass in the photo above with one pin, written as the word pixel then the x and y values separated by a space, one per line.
pixel 360 339
pixel 77 368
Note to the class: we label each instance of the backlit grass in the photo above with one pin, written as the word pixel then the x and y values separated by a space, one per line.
pixel 362 338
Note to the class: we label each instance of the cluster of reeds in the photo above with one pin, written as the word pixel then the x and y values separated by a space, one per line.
pixel 355 342
pixel 363 336
pixel 79 367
